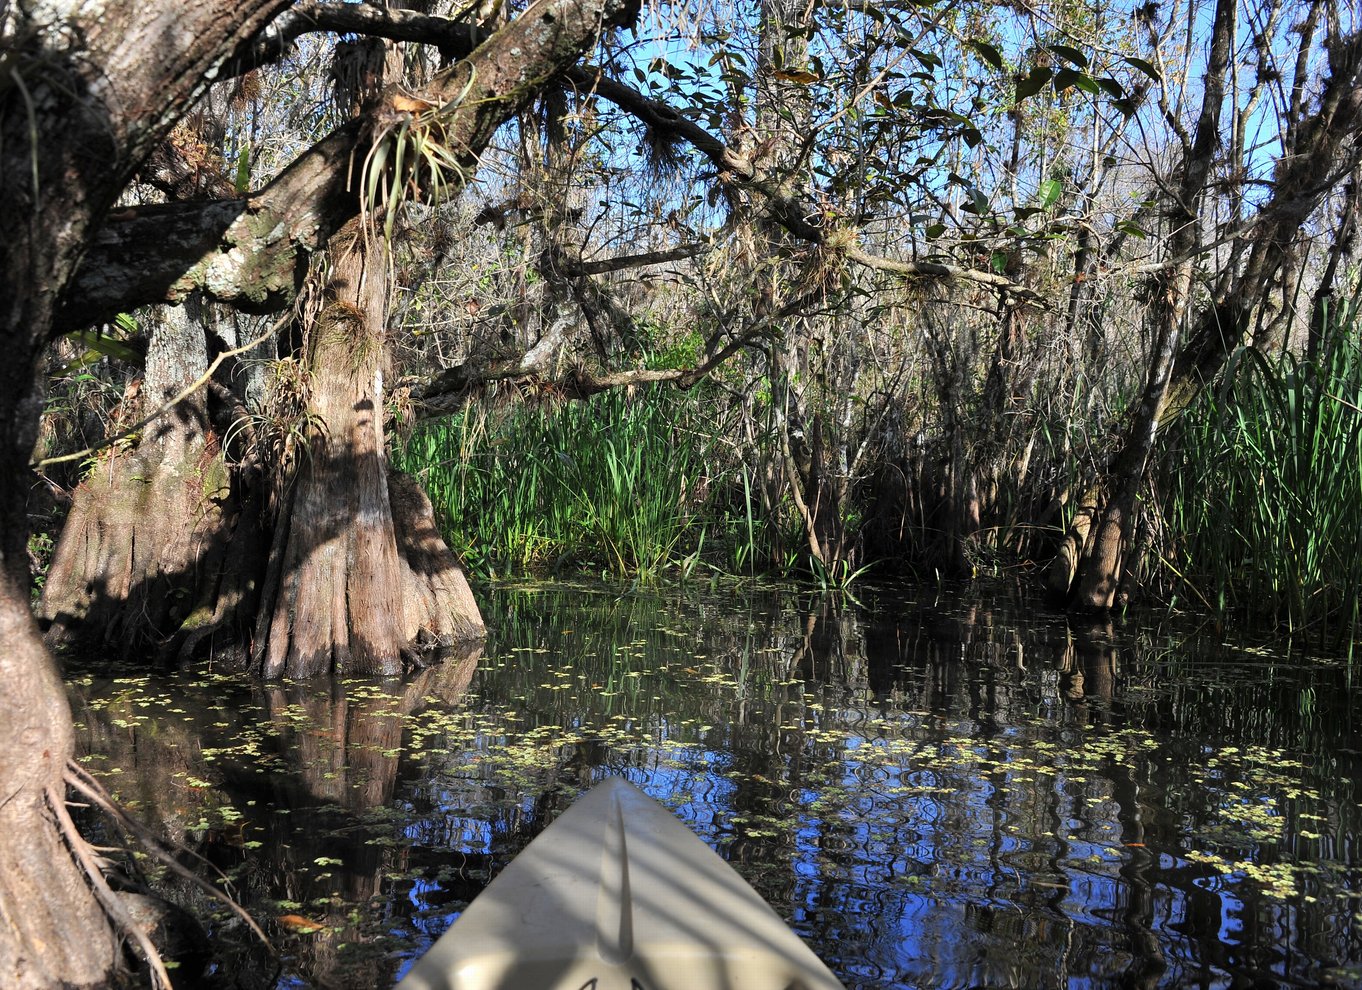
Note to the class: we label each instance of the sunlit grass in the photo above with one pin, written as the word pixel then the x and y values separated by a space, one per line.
pixel 622 483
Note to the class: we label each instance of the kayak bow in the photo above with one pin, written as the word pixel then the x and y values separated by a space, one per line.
pixel 617 894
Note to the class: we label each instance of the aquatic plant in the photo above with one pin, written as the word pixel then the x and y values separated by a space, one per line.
pixel 618 482
pixel 1265 488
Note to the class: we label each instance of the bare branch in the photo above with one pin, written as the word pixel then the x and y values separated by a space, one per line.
pixel 576 267
pixel 785 206
pixel 79 779
pixel 113 907
pixel 455 384
pixel 183 394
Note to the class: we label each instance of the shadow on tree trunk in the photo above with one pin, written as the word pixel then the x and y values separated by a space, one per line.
pixel 324 561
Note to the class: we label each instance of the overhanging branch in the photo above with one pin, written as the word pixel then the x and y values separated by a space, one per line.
pixel 785 206
pixel 456 384
pixel 251 252
pixel 455 38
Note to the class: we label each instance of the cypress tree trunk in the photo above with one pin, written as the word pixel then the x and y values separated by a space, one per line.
pixel 65 154
pixel 345 594
pixel 53 931
pixel 89 91
pixel 147 525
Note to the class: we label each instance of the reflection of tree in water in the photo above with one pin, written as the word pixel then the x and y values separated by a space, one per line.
pixel 1023 819
pixel 304 805
pixel 343 741
pixel 1088 662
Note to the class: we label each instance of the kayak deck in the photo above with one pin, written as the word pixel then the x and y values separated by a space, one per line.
pixel 617 894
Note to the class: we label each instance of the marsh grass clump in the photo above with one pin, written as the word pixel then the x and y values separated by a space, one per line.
pixel 1265 488
pixel 617 482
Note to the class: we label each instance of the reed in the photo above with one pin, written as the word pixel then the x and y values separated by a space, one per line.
pixel 1264 489
pixel 617 483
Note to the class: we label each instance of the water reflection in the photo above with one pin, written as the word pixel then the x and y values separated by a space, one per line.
pixel 953 791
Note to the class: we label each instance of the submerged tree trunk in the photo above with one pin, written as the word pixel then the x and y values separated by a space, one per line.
pixel 345 594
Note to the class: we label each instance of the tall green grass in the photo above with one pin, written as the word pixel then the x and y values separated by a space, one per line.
pixel 1264 491
pixel 622 482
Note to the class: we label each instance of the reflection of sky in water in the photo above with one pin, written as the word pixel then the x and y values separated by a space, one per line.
pixel 923 808
pixel 981 854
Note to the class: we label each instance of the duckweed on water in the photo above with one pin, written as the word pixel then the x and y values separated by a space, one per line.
pixel 912 782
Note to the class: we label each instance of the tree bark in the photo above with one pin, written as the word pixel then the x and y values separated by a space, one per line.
pixel 147 526
pixel 53 932
pixel 90 90
pixel 1190 348
pixel 341 595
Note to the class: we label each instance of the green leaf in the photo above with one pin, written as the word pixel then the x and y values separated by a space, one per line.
pixel 934 231
pixel 1146 67
pixel 1048 192
pixel 1111 87
pixel 927 59
pixel 1071 55
pixel 243 169
pixel 103 346
pixel 1132 228
pixel 1087 84
pixel 1065 79
pixel 998 261
pixel 979 205
pixel 987 52
pixel 1032 84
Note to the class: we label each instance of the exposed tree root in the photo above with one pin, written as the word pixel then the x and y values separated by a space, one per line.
pixel 113 907
pixel 86 854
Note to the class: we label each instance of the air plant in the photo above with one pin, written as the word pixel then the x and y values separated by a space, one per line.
pixel 413 156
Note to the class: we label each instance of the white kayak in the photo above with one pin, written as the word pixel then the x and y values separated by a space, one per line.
pixel 617 894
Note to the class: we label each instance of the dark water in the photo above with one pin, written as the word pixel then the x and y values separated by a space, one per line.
pixel 935 790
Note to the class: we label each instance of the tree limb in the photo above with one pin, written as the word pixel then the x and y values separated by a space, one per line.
pixel 251 252
pixel 786 206
pixel 183 394
pixel 577 267
pixel 456 383
pixel 455 38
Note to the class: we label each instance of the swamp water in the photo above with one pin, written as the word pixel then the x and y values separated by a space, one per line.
pixel 935 790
